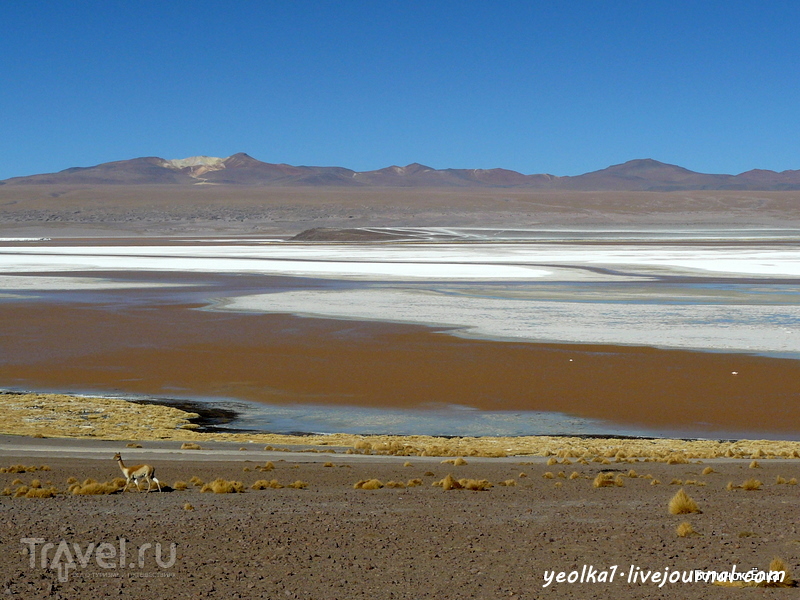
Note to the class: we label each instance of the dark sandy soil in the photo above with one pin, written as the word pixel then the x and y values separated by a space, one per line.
pixel 60 211
pixel 331 541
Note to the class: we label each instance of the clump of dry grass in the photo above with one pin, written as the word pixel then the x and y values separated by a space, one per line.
pixel 268 466
pixel 632 474
pixel 188 506
pixel 41 492
pixel 776 565
pixel 522 474
pixel 395 484
pixel 574 475
pixel 792 481
pixel 190 446
pixel 71 480
pixel 561 475
pixel 685 529
pixel 780 480
pixel 458 462
pixel 368 484
pixel 552 461
pixel 755 465
pixel 195 480
pixel 90 487
pixel 655 482
pixel 19 469
pixel 298 485
pixel 222 486
pixel 619 481
pixel 751 485
pixel 414 482
pixel 604 480
pixel 508 483
pixel 548 475
pixel 708 471
pixel 407 464
pixel 263 484
pixel 180 486
pixel 133 445
pixel 677 459
pixel 558 484
pixel 731 486
pixel 17 481
pixel 682 504
pixel 676 482
pixel 429 474
pixel 476 485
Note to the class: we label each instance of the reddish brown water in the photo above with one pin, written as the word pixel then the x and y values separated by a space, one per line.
pixel 178 350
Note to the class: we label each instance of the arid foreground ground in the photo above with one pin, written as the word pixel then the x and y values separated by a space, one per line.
pixel 329 540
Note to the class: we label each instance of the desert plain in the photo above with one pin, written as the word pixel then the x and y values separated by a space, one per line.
pixel 542 339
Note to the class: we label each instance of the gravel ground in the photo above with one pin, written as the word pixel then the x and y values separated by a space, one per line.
pixel 331 541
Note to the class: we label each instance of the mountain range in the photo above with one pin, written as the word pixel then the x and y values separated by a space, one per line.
pixel 244 170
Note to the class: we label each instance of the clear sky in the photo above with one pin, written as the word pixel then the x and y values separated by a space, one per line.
pixel 538 87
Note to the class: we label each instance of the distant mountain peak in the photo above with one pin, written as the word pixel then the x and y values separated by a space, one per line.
pixel 643 174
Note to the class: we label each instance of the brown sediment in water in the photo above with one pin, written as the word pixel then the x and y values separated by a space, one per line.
pixel 174 350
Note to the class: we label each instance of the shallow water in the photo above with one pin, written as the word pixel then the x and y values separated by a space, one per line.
pixel 728 292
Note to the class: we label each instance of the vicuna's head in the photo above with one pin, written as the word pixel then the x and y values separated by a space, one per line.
pixel 117 456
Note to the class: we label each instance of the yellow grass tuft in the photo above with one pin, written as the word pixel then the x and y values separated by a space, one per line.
pixel 458 462
pixel 395 484
pixel 17 481
pixel 677 459
pixel 188 506
pixel 407 464
pixel 298 485
pixel 190 446
pixel 751 485
pixel 604 480
pixel 792 481
pixel 558 484
pixel 779 480
pixel 222 486
pixel 36 483
pixel 755 465
pixel 778 564
pixel 655 482
pixel 71 480
pixel 429 474
pixel 41 492
pixel 574 475
pixel 508 483
pixel 685 529
pixel 548 475
pixel 730 486
pixel 682 504
pixel 195 480
pixel 180 486
pixel 368 484
pixel 632 474
pixel 263 484
pixel 268 466
pixel 414 482
pixel 91 487
pixel 476 485
pixel 328 464
pixel 708 471
pixel 552 461
pixel 133 445
pixel 449 483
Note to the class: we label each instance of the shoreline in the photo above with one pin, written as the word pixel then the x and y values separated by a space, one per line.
pixel 111 419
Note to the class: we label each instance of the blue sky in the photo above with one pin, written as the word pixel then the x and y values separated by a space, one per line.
pixel 538 87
